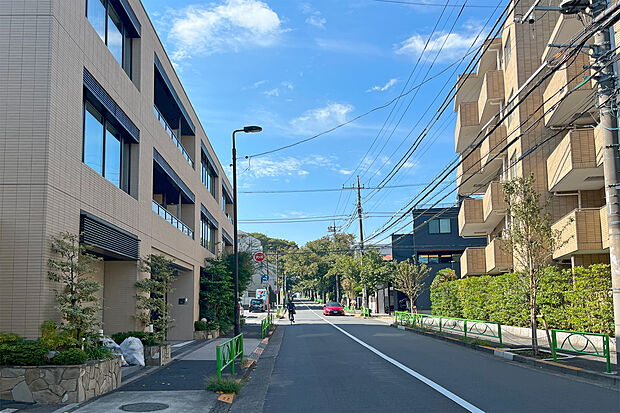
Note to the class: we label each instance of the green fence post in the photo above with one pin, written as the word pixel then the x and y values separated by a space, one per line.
pixel 241 339
pixel 465 328
pixel 554 344
pixel 233 348
pixel 607 352
pixel 499 334
pixel 440 324
pixel 218 356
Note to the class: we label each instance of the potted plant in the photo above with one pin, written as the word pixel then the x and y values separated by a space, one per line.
pixel 153 309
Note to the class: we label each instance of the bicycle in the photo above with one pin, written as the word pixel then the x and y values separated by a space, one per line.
pixel 291 317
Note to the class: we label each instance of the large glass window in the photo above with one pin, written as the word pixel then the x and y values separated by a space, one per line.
pixel 93 138
pixel 439 226
pixel 207 175
pixel 104 148
pixel 207 235
pixel 112 31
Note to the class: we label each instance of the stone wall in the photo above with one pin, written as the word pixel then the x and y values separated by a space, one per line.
pixel 59 384
pixel 206 335
pixel 157 355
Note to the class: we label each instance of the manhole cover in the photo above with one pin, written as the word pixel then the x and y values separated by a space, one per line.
pixel 143 407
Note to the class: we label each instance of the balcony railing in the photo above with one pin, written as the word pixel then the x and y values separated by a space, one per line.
pixel 498 259
pixel 467 125
pixel 172 135
pixel 473 261
pixel 176 222
pixel 581 232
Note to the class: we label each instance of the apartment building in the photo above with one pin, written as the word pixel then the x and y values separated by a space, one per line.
pixel 98 137
pixel 566 163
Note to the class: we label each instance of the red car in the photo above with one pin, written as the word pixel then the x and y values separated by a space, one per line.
pixel 333 309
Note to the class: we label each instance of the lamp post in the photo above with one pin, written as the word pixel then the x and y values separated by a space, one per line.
pixel 246 129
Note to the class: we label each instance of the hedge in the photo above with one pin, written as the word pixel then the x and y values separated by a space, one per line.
pixel 578 299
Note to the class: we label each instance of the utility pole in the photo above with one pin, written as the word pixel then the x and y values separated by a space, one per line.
pixel 606 80
pixel 360 217
pixel 277 281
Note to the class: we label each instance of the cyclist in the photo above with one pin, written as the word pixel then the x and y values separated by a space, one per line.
pixel 290 307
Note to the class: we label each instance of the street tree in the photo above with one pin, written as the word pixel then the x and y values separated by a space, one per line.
pixel 70 266
pixel 346 270
pixel 530 238
pixel 409 277
pixel 373 271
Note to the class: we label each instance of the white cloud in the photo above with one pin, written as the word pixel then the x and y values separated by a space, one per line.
pixel 231 25
pixel 410 164
pixel 287 85
pixel 455 44
pixel 345 171
pixel 259 83
pixel 383 88
pixel 314 19
pixel 318 119
pixel 272 92
pixel 272 167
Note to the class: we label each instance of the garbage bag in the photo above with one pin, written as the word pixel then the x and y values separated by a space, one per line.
pixel 133 351
pixel 114 348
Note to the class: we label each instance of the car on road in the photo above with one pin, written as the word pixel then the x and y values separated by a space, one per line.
pixel 333 309
pixel 257 304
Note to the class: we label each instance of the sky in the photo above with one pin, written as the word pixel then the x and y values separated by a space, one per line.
pixel 300 68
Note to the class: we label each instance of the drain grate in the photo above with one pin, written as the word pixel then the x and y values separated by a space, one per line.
pixel 143 407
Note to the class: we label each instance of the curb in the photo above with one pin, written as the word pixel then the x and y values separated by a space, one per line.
pixel 607 380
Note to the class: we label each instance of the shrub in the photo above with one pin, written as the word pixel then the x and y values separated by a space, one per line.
pixel 70 357
pixel 223 385
pixel 444 299
pixel 98 353
pixel 148 339
pixel 23 354
pixel 205 325
pixel 472 294
pixel 9 338
pixel 590 306
pixel 507 301
pixel 552 287
pixel 54 339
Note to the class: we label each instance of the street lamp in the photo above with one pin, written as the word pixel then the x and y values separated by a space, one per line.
pixel 246 129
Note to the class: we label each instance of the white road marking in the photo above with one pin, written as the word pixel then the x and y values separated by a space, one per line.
pixel 181 344
pixel 463 403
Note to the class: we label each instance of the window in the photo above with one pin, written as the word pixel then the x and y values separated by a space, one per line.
pixel 104 149
pixel 507 51
pixel 207 235
pixel 207 175
pixel 511 104
pixel 107 23
pixel 439 226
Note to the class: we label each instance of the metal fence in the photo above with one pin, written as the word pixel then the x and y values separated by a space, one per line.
pixel 265 325
pixel 579 342
pixel 227 352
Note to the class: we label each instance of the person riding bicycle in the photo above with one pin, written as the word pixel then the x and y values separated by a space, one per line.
pixel 290 307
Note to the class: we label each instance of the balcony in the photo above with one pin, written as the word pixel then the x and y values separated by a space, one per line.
pixel 562 108
pixel 572 164
pixel 491 95
pixel 598 145
pixel 467 125
pixel 493 205
pixel 172 135
pixel 498 260
pixel 177 223
pixel 490 147
pixel 471 219
pixel 581 232
pixel 473 261
pixel 604 227
pixel 468 172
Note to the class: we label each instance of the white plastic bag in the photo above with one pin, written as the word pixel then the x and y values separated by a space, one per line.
pixel 114 348
pixel 133 351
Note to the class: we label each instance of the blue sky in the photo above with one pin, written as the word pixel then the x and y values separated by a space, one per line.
pixel 300 68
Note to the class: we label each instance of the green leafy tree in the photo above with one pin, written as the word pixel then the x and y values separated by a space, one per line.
pixel 373 271
pixel 151 298
pixel 271 244
pixel 530 239
pixel 346 269
pixel 76 295
pixel 409 277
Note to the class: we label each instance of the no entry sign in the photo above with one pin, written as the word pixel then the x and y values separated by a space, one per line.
pixel 259 256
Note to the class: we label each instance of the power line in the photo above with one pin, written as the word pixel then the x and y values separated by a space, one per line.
pixel 292 191
pixel 413 3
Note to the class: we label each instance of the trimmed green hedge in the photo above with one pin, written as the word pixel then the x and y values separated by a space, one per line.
pixel 580 301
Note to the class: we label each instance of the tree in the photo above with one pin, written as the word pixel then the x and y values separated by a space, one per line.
pixel 76 297
pixel 347 269
pixel 530 239
pixel 409 279
pixel 152 304
pixel 373 271
pixel 271 244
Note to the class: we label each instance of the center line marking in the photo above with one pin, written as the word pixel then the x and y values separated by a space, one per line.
pixel 463 403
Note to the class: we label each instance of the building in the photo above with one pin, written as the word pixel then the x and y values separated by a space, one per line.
pixel 435 241
pixel 566 163
pixel 261 269
pixel 97 136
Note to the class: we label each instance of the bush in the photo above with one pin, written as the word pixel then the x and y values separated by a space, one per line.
pixel 54 339
pixel 9 338
pixel 70 357
pixel 590 306
pixel 472 294
pixel 444 299
pixel 148 339
pixel 507 303
pixel 223 385
pixel 98 353
pixel 23 354
pixel 205 325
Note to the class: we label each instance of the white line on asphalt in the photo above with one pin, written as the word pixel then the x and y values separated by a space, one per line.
pixel 181 344
pixel 463 403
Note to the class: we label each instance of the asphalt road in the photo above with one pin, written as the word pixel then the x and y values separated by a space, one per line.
pixel 365 366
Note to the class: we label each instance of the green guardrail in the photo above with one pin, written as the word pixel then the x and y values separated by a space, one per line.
pixel 365 312
pixel 227 352
pixel 461 325
pixel 588 347
pixel 265 325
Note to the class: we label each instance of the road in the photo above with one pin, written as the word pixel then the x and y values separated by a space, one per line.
pixel 346 364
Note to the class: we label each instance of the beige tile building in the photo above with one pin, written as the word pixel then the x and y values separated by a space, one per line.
pixel 98 136
pixel 566 167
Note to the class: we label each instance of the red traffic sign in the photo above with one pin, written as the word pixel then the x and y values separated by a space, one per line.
pixel 259 256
